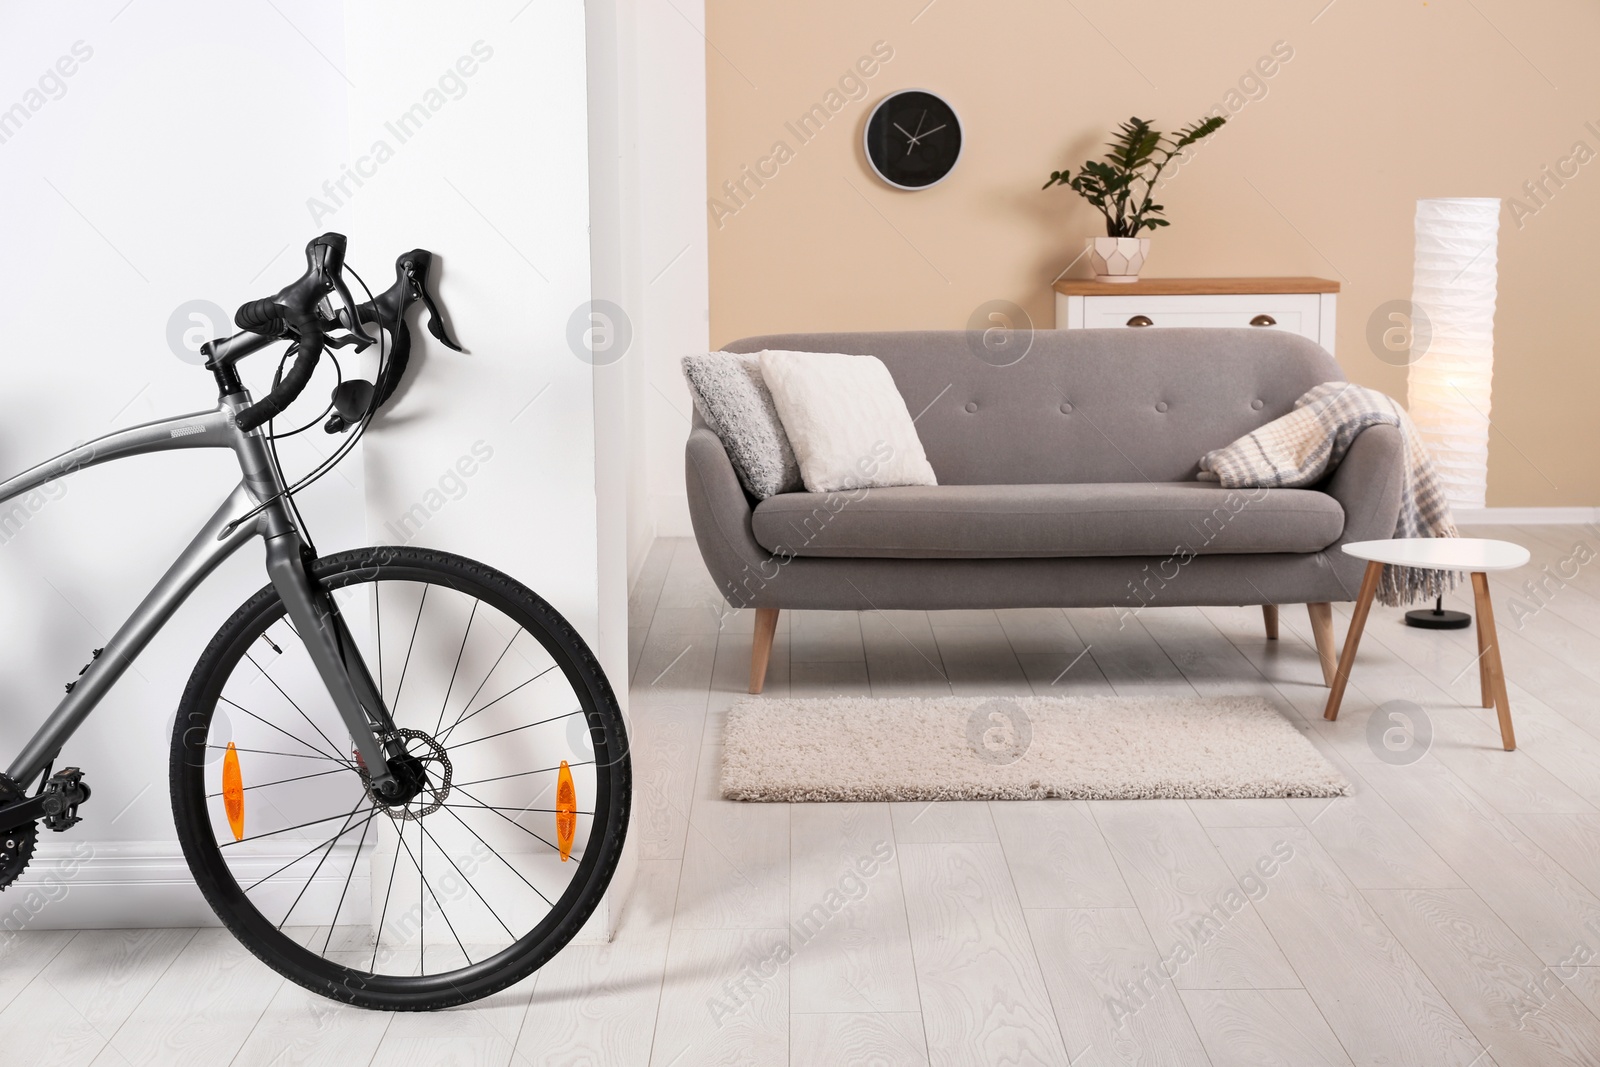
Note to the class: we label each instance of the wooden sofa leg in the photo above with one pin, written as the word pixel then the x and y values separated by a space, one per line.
pixel 1269 614
pixel 1322 630
pixel 761 647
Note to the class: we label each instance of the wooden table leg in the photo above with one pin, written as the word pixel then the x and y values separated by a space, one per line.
pixel 1489 638
pixel 1485 682
pixel 1358 622
pixel 1269 615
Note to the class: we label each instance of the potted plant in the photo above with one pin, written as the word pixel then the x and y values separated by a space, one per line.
pixel 1123 186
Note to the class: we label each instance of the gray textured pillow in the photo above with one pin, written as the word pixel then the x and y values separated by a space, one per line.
pixel 732 397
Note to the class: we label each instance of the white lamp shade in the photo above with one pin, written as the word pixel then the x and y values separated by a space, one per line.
pixel 1453 284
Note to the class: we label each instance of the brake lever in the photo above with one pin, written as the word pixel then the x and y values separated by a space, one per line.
pixel 387 311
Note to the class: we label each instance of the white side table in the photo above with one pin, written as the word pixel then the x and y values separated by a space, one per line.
pixel 1474 555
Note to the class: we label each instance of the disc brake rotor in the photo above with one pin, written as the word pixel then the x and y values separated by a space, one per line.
pixel 436 765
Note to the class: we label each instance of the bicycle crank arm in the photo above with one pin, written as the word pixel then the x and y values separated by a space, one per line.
pixel 338 661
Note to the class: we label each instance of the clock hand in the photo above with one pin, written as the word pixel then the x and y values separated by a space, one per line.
pixel 921 120
pixel 935 130
pixel 902 129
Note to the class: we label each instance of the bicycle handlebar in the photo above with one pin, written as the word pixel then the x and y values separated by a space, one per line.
pixel 303 311
pixel 292 312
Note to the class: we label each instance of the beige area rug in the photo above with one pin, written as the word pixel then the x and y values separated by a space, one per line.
pixel 1018 748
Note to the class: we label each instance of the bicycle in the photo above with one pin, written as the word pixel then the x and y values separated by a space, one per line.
pixel 503 837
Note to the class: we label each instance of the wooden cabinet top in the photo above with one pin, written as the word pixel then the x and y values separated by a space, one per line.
pixel 1195 286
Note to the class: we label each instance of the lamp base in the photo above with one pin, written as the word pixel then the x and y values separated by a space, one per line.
pixel 1436 618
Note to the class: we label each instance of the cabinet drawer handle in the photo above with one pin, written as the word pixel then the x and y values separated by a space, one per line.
pixel 1263 320
pixel 1140 320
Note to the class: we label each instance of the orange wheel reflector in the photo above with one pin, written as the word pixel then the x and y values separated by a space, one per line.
pixel 566 811
pixel 233 791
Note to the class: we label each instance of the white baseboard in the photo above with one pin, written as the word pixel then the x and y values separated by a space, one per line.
pixel 1526 516
pixel 114 885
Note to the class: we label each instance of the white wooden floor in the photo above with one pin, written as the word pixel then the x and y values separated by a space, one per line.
pixel 1446 913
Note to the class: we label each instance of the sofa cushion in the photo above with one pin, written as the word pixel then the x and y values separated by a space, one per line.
pixel 846 419
pixel 1090 519
pixel 733 400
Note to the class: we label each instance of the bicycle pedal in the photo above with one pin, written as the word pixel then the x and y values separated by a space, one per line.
pixel 62 793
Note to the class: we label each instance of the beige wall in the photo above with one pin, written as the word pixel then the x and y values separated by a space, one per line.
pixel 1383 102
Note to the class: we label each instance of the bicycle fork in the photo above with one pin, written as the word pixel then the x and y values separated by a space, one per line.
pixel 395 775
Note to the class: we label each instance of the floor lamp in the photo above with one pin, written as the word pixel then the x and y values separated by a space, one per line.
pixel 1453 284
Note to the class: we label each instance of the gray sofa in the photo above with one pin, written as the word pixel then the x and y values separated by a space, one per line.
pixel 1066 479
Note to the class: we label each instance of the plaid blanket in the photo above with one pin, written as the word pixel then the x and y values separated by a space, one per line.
pixel 1304 445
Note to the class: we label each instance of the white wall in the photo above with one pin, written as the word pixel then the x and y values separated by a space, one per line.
pixel 669 169
pixel 130 195
pixel 153 180
pixel 650 246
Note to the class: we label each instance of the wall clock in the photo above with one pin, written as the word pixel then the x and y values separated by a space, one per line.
pixel 913 139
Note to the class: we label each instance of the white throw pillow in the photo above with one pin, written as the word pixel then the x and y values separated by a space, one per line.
pixel 847 421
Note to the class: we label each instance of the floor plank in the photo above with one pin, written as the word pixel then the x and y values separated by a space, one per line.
pixel 1375 998
pixel 1058 858
pixel 847 914
pixel 983 997
pixel 1263 1028
pixel 1190 899
pixel 595 1005
pixel 201 1008
pixel 1487 975
pixel 1113 996
pixel 890 1040
pixel 724 1000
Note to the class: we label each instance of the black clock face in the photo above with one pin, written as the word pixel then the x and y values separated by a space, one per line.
pixel 913 139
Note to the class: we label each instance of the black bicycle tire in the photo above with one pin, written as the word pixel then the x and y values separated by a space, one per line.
pixel 300 965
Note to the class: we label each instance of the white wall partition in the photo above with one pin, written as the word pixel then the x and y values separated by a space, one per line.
pixel 189 155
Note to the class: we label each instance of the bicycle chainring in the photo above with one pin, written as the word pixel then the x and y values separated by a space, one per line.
pixel 16 846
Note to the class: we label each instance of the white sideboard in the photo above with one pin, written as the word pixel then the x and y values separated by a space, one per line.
pixel 1305 306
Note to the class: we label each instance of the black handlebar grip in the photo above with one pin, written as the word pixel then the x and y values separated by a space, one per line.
pixel 259 316
pixel 284 393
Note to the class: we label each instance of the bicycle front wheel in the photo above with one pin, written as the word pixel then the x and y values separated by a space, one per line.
pixel 471 885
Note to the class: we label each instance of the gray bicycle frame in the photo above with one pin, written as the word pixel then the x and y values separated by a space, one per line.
pixel 255 508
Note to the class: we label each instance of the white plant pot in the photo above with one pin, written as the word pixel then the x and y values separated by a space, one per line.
pixel 1117 259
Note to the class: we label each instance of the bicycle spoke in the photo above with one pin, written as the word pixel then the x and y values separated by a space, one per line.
pixel 514 729
pixel 492 703
pixel 337 908
pixel 503 807
pixel 303 855
pixel 524 774
pixel 284 781
pixel 377 934
pixel 290 699
pixel 501 858
pixel 512 821
pixel 299 740
pixel 417 861
pixel 468 882
pixel 344 764
pixel 486 677
pixel 318 867
pixel 422 910
pixel 286 829
pixel 456 669
pixel 401 688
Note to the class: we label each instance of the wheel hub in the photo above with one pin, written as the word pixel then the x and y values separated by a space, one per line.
pixel 432 766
